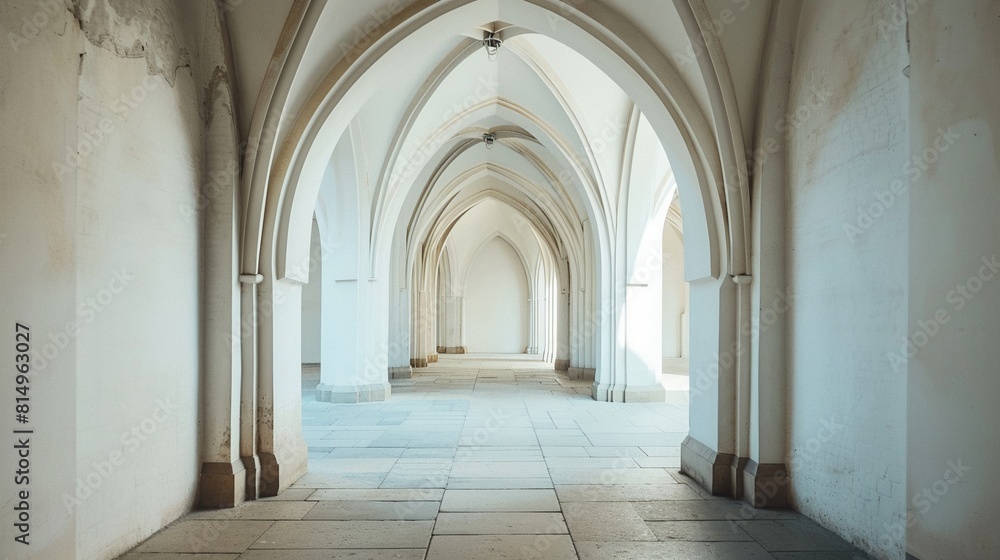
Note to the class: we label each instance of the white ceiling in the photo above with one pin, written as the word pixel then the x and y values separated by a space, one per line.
pixel 571 120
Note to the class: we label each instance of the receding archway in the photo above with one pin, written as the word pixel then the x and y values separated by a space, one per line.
pixel 273 242
pixel 496 300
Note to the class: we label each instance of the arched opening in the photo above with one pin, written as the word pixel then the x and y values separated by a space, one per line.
pixel 592 209
pixel 676 303
pixel 312 318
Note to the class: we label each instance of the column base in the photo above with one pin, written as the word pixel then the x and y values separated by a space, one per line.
pixel 432 359
pixel 404 372
pixel 765 486
pixel 418 362
pixel 708 467
pixel 629 393
pixel 452 350
pixel 222 485
pixel 353 394
pixel 736 475
pixel 562 365
pixel 251 482
pixel 581 374
pixel 277 474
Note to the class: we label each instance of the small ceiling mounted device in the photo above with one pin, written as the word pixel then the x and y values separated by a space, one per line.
pixel 490 139
pixel 492 42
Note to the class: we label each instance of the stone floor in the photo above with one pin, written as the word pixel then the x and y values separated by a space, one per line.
pixel 492 457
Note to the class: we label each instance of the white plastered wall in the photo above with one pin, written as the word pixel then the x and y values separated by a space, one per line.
pixel 312 306
pixel 848 141
pixel 496 300
pixel 675 295
pixel 105 216
pixel 954 283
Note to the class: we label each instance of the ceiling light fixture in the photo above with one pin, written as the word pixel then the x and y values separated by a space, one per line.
pixel 492 42
pixel 490 139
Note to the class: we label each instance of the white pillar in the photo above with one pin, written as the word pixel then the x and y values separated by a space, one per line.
pixel 352 370
pixel 282 450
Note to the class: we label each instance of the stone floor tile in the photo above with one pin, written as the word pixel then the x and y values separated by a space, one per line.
pixel 564 452
pixel 499 470
pixel 662 451
pixel 500 524
pixel 258 510
pixel 348 554
pixel 705 510
pixel 498 483
pixel 605 522
pixel 173 556
pixel 610 476
pixel 793 535
pixel 215 536
pixel 505 454
pixel 563 441
pixel 415 481
pixel 670 551
pixel 429 452
pixel 658 462
pixel 590 463
pixel 500 501
pixel 352 465
pixel 346 534
pixel 817 555
pixel 615 452
pixel 358 510
pixel 698 531
pixel 380 495
pixel 473 445
pixel 350 480
pixel 637 440
pixel 366 452
pixel 504 547
pixel 290 495
pixel 625 493
pixel 498 440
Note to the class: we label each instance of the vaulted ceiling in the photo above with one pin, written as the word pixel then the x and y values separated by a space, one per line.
pixel 571 137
